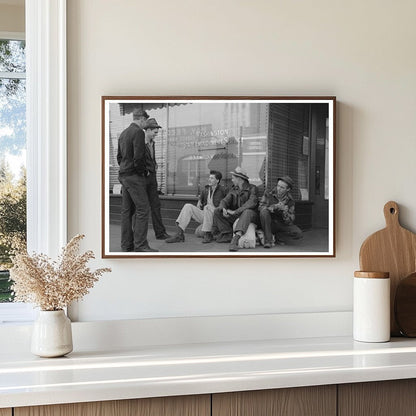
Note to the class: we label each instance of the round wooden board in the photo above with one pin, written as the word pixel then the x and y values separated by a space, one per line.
pixel 405 306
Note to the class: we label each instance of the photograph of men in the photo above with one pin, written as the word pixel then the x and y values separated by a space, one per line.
pixel 203 212
pixel 240 204
pixel 188 177
pixel 277 212
pixel 151 130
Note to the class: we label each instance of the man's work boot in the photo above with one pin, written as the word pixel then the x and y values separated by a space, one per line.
pixel 234 243
pixel 163 236
pixel 179 237
pixel 208 237
pixel 224 238
pixel 146 249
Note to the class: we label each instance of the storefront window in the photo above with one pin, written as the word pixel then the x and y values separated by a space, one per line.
pixel 197 138
pixel 218 136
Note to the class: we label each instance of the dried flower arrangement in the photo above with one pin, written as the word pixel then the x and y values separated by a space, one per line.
pixel 53 285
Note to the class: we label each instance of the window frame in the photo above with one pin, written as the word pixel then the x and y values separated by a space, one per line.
pixel 46 137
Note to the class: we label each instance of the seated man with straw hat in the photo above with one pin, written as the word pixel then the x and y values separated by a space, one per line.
pixel 239 204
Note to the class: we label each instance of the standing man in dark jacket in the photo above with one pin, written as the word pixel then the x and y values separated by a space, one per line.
pixel 131 157
pixel 239 204
pixel 151 130
pixel 203 212
pixel 277 212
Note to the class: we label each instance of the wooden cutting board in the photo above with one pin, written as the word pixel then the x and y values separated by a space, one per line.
pixel 393 250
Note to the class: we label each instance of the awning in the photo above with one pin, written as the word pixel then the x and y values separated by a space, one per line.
pixel 128 108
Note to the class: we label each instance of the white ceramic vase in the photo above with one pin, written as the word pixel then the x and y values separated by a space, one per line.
pixel 52 334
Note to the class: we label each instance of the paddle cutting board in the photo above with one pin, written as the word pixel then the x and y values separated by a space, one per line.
pixel 393 250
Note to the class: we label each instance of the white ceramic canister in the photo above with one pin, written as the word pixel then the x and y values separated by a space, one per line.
pixel 371 310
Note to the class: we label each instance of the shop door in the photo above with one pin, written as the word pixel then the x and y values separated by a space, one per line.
pixel 318 185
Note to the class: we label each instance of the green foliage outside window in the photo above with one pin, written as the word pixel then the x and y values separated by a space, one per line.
pixel 12 147
pixel 12 224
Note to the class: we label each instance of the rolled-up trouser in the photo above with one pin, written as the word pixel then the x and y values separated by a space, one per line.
pixel 225 224
pixel 134 202
pixel 204 217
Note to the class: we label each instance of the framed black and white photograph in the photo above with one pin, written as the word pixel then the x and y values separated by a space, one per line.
pixel 218 177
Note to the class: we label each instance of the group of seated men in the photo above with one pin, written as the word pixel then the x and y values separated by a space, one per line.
pixel 226 216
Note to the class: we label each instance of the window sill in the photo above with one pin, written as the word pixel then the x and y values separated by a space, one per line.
pixel 16 313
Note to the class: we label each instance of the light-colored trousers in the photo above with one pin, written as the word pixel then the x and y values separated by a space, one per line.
pixel 204 217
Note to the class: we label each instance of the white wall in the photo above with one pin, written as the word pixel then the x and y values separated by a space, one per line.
pixel 12 18
pixel 363 52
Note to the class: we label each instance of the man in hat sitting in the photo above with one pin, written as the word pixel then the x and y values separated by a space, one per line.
pixel 239 204
pixel 277 212
pixel 203 212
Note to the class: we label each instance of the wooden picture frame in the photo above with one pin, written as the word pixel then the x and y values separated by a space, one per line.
pixel 264 139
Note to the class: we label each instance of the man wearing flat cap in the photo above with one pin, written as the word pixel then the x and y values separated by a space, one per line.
pixel 239 204
pixel 131 157
pixel 277 212
pixel 151 130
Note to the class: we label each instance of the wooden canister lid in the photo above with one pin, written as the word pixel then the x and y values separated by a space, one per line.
pixel 372 275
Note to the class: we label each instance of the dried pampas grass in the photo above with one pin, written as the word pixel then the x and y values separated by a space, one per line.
pixel 53 285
